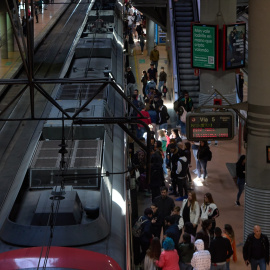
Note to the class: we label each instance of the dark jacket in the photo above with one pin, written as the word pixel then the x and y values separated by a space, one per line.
pixel 205 237
pixel 156 226
pixel 130 77
pixel 165 206
pixel 185 252
pixel 247 249
pixel 203 152
pixel 162 115
pixel 220 249
pixel 174 233
pixel 146 235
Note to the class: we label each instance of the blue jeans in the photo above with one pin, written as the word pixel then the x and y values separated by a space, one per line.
pixel 184 266
pixel 163 126
pixel 261 263
pixel 227 265
pixel 195 152
pixel 155 64
pixel 202 164
pixel 161 83
pixel 183 128
pixel 241 187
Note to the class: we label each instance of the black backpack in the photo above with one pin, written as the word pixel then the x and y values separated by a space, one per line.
pixel 209 157
pixel 137 228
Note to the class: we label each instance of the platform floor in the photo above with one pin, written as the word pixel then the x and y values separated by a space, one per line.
pixel 220 181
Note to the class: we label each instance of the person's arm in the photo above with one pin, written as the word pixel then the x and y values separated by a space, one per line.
pixel 229 248
pixel 179 167
pixel 197 216
pixel 181 223
pixel 160 263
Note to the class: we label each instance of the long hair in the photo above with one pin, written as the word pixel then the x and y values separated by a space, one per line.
pixel 193 200
pixel 154 249
pixel 209 197
pixel 229 230
pixel 240 160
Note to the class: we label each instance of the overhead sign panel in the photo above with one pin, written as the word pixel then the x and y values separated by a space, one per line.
pixel 210 126
pixel 204 46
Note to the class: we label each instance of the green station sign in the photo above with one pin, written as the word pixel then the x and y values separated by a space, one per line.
pixel 204 46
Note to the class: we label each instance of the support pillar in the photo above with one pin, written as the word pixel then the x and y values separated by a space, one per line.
pixel 3 32
pixel 257 191
pixel 10 38
pixel 150 33
pixel 217 13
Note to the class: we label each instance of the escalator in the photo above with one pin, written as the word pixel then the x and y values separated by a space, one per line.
pixel 185 12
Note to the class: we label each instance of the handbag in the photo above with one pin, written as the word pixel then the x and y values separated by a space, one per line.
pixel 184 115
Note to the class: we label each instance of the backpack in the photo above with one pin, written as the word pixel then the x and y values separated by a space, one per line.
pixel 209 158
pixel 137 228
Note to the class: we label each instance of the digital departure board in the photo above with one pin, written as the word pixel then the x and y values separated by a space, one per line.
pixel 210 126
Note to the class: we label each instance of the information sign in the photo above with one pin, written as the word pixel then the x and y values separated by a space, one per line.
pixel 204 46
pixel 210 126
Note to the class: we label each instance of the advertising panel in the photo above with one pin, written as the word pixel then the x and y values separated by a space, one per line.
pixel 234 46
pixel 204 46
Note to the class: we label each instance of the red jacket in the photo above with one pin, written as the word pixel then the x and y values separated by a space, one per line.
pixel 146 121
pixel 168 260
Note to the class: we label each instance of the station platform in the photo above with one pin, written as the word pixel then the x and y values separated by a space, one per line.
pixel 9 67
pixel 220 182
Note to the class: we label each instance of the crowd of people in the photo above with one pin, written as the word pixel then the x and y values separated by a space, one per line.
pixel 186 236
pixel 160 246
pixel 164 223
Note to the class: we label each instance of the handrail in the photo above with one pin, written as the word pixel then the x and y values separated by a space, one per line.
pixel 176 84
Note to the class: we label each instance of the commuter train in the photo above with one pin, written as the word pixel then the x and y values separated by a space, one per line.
pixel 74 193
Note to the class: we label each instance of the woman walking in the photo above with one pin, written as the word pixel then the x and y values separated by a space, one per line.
pixel 152 254
pixel 203 156
pixel 241 177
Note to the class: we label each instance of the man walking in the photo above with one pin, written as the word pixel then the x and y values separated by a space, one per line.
pixel 154 56
pixel 256 249
pixel 162 78
pixel 220 250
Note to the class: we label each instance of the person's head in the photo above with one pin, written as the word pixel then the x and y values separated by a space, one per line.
pixel 187 145
pixel 175 133
pixel 199 244
pixel 207 224
pixel 161 133
pixel 136 92
pixel 229 230
pixel 159 145
pixel 257 231
pixel 164 192
pixel 203 143
pixel 242 160
pixel 169 220
pixel 192 198
pixel 154 248
pixel 208 198
pixel 152 140
pixel 128 68
pixel 152 65
pixel 186 95
pixel 142 140
pixel 144 72
pixel 217 232
pixel 148 212
pixel 172 147
pixel 176 210
pixel 162 68
pixel 142 106
pixel 155 47
pixel 168 244
pixel 186 238
pixel 154 207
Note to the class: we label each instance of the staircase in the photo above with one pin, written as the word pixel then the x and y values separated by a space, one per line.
pixel 184 14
